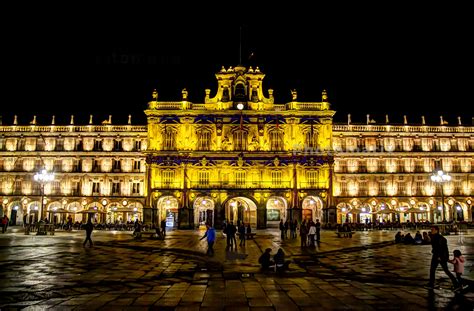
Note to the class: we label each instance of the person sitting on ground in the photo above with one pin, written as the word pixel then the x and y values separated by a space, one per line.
pixel 264 259
pixel 418 238
pixel 409 239
pixel 280 263
pixel 398 237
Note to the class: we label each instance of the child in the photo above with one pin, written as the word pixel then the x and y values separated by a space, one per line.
pixel 458 262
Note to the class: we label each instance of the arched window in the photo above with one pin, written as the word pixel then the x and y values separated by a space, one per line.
pixel 239 93
pixel 169 142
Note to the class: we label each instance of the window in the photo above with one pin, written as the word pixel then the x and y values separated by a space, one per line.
pixel 276 178
pixel 136 188
pixel 240 178
pixel 169 139
pixel 168 177
pixel 76 188
pixel 310 139
pixel 95 188
pixel 97 145
pixel 116 188
pixel 55 187
pixel 138 145
pixel 116 165
pixel 117 145
pixel 240 140
pixel 312 178
pixel 204 140
pixel 95 166
pixel 203 178
pixel 276 140
pixel 136 165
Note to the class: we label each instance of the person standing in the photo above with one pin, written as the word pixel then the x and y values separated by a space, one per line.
pixel 4 223
pixel 440 256
pixel 303 234
pixel 89 228
pixel 282 229
pixel 242 234
pixel 163 227
pixel 211 238
pixel 311 233
pixel 318 230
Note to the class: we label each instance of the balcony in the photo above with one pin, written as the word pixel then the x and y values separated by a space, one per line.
pixel 241 185
pixel 313 185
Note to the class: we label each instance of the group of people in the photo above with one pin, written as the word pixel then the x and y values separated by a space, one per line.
pixel 408 239
pixel 230 230
pixel 278 263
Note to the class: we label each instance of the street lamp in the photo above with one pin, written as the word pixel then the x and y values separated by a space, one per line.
pixel 440 177
pixel 43 177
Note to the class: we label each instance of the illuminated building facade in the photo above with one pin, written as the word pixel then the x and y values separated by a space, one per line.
pixel 237 156
pixel 382 172
pixel 99 170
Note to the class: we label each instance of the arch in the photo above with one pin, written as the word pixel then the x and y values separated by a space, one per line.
pixel 203 211
pixel 276 210
pixel 15 213
pixel 312 207
pixel 33 209
pixel 344 214
pixel 168 210
pixel 240 208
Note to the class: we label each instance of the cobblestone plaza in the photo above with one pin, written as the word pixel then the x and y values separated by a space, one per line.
pixel 367 272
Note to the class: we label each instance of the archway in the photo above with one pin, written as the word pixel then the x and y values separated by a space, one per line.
pixel 241 209
pixel 344 214
pixel 168 209
pixel 312 208
pixel 276 210
pixel 15 213
pixel 203 211
pixel 33 211
pixel 56 212
pixel 72 208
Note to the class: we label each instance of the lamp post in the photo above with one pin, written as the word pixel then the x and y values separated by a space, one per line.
pixel 440 177
pixel 43 177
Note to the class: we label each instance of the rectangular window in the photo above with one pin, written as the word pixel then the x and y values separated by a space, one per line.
pixel 312 178
pixel 76 188
pixel 204 142
pixel 136 165
pixel 116 188
pixel 276 178
pixel 95 188
pixel 97 145
pixel 95 166
pixel 240 178
pixel 138 145
pixel 203 178
pixel 240 140
pixel 276 141
pixel 136 188
pixel 169 139
pixel 117 145
pixel 116 165
pixel 168 178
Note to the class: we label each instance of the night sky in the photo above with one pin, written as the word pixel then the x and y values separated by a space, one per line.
pixel 412 63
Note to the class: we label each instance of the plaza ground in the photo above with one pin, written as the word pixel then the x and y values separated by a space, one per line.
pixel 365 272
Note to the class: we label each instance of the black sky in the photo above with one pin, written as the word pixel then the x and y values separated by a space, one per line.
pixel 413 62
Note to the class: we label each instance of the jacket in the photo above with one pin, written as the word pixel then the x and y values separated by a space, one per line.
pixel 439 247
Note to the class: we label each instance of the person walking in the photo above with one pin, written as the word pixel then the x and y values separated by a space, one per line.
pixel 211 238
pixel 89 228
pixel 458 262
pixel 282 229
pixel 242 234
pixel 4 223
pixel 440 256
pixel 303 235
pixel 163 228
pixel 318 230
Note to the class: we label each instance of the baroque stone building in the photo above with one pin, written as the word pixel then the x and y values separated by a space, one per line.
pixel 99 170
pixel 237 156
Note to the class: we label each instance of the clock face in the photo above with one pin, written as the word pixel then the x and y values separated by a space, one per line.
pixel 240 106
